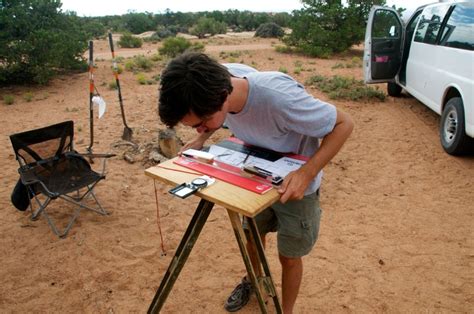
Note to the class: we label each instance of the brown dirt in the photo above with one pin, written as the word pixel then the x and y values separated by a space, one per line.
pixel 396 232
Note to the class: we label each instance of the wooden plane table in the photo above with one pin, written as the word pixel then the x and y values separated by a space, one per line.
pixel 237 201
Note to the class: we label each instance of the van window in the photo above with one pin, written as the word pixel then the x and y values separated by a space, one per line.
pixel 459 30
pixel 385 25
pixel 430 24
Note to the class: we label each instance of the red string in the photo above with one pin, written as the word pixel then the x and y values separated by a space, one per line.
pixel 178 170
pixel 158 207
pixel 163 252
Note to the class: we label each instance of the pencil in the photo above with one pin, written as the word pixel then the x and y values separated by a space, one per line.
pixel 246 157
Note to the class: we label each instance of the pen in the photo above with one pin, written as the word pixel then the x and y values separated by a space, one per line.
pixel 246 157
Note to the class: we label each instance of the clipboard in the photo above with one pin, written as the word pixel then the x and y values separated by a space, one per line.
pixel 253 168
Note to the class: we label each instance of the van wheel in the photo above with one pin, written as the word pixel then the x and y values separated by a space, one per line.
pixel 452 129
pixel 393 89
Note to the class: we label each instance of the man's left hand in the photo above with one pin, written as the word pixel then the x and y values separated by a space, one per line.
pixel 294 185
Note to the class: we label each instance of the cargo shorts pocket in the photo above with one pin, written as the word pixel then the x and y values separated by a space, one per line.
pixel 296 238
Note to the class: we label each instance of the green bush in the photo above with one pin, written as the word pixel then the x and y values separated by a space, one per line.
pixel 141 78
pixel 143 62
pixel 113 85
pixel 269 30
pixel 174 46
pixel 130 41
pixel 130 65
pixel 283 49
pixel 8 99
pixel 163 32
pixel 37 41
pixel 282 70
pixel 28 96
pixel 207 25
pixel 94 29
pixel 339 87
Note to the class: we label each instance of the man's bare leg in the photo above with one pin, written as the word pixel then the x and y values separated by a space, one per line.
pixel 292 272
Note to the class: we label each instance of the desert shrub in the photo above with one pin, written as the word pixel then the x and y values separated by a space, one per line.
pixel 283 49
pixel 198 47
pixel 339 87
pixel 119 59
pixel 37 41
pixel 28 96
pixel 137 23
pixel 142 62
pixel 94 28
pixel 282 69
pixel 141 78
pixel 174 46
pixel 163 32
pixel 156 57
pixel 112 85
pixel 207 25
pixel 231 54
pixel 269 30
pixel 130 65
pixel 130 41
pixel 297 70
pixel 298 63
pixel 8 99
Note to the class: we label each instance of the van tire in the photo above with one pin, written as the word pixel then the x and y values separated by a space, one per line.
pixel 393 89
pixel 452 129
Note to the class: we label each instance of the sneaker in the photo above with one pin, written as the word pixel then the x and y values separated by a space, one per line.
pixel 239 297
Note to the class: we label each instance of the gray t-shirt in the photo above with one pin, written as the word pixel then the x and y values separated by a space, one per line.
pixel 280 115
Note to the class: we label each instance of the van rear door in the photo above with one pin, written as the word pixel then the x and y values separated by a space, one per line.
pixel 383 40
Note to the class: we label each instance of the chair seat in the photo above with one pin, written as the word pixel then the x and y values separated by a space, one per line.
pixel 66 175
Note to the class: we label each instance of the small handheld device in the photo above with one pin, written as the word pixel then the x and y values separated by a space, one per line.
pixel 262 173
pixel 200 155
pixel 185 189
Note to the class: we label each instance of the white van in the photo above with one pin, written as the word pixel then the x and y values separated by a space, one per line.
pixel 432 58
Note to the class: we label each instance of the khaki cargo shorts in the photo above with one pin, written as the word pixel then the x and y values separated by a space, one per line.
pixel 296 224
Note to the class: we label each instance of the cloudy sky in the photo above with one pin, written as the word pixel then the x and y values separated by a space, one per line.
pixel 109 7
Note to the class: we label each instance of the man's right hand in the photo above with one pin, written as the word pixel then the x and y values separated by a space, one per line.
pixel 196 143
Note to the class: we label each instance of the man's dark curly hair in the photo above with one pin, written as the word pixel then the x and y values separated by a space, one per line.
pixel 192 83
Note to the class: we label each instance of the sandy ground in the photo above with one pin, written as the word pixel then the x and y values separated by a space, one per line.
pixel 396 234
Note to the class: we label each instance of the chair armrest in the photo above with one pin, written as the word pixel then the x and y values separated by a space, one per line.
pixel 28 177
pixel 90 155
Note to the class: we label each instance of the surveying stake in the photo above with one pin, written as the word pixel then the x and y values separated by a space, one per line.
pixel 91 94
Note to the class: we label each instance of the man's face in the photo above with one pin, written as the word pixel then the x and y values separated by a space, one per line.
pixel 204 125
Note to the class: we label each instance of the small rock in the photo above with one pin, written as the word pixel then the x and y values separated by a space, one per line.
pixel 129 158
pixel 157 157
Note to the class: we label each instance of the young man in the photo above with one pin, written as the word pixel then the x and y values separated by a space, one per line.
pixel 270 110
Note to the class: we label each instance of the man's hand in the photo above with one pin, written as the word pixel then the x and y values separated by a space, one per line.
pixel 196 143
pixel 294 185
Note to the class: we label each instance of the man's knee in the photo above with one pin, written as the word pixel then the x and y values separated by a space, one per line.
pixel 290 261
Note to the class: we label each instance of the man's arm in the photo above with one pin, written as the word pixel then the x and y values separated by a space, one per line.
pixel 197 142
pixel 296 182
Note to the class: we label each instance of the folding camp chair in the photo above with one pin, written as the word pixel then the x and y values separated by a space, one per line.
pixel 49 166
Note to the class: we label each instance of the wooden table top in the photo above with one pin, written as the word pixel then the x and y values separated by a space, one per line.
pixel 222 193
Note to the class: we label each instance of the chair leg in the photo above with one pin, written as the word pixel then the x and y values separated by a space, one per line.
pixel 68 227
pixel 41 207
pixel 77 202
